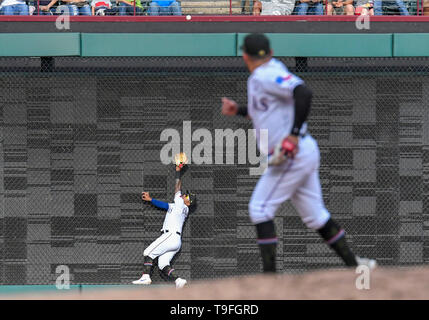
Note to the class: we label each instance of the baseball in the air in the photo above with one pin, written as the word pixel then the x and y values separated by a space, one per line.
pixel 188 17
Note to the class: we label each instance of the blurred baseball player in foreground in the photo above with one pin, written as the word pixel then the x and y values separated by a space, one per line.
pixel 169 243
pixel 279 102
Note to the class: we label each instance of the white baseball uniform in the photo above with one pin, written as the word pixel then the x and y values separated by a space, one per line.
pixel 271 107
pixel 170 242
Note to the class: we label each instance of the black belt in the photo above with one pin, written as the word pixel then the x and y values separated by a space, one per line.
pixel 165 231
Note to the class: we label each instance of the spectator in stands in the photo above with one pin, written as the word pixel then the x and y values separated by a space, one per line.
pixel 14 7
pixel 306 7
pixel 102 8
pixel 401 6
pixel 32 7
pixel 127 7
pixel 165 8
pixel 364 7
pixel 78 7
pixel 71 7
pixel 274 7
pixel 340 7
pixel 257 8
pixel 45 7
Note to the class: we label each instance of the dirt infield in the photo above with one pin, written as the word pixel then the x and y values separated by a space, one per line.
pixel 333 284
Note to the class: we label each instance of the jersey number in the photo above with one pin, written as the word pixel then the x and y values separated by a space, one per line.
pixel 261 105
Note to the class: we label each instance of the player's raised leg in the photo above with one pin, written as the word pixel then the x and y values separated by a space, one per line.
pixel 164 265
pixel 308 201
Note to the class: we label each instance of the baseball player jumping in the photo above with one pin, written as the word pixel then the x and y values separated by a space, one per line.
pixel 169 243
pixel 279 102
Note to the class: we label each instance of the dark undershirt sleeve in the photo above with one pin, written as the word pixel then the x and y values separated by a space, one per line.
pixel 302 96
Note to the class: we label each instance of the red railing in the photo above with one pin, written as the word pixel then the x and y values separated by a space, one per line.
pixel 419 12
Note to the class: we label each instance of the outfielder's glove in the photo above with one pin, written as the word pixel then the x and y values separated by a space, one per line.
pixel 283 150
pixel 180 159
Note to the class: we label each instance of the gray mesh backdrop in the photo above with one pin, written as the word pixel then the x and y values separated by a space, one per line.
pixel 81 141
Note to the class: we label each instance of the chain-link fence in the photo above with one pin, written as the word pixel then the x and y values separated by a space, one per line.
pixel 81 141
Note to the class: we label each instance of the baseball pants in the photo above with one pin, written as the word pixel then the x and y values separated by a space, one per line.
pixel 164 248
pixel 297 180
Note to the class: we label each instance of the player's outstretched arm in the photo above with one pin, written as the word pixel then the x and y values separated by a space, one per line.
pixel 157 203
pixel 178 185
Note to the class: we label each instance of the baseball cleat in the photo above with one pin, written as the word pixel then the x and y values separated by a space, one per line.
pixel 370 263
pixel 145 279
pixel 180 283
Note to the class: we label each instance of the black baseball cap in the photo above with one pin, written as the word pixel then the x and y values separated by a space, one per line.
pixel 256 45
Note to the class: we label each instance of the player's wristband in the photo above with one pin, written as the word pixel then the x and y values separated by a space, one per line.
pixel 242 111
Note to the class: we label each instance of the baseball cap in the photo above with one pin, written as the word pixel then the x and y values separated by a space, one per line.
pixel 256 45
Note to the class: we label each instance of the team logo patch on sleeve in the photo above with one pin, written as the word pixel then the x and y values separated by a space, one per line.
pixel 279 79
